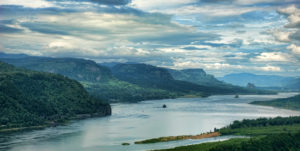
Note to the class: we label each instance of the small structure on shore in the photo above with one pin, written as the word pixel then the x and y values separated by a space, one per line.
pixel 125 144
pixel 164 106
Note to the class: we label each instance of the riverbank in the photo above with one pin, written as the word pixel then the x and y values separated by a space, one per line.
pixel 176 138
pixel 291 103
pixel 53 123
pixel 265 133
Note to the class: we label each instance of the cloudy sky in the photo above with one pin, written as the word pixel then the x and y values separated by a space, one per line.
pixel 221 36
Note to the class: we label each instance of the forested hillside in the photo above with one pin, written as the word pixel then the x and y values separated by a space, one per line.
pixel 292 103
pixel 96 79
pixel 30 98
pixel 155 77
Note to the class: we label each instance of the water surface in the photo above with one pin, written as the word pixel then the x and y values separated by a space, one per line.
pixel 144 120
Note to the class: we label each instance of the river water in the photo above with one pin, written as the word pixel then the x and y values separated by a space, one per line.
pixel 144 120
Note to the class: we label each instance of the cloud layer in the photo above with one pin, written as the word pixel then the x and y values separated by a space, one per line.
pixel 259 36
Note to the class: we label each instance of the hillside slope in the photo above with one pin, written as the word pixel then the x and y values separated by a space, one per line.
pixel 96 79
pixel 198 76
pixel 155 77
pixel 30 98
pixel 292 103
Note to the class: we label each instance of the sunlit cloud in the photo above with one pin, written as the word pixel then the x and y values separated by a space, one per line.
pixel 260 36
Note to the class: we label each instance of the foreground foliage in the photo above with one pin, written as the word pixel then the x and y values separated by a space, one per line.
pixel 29 98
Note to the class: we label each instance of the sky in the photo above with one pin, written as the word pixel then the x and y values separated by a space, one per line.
pixel 220 36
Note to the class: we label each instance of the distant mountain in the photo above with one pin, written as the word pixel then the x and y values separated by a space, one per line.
pixel 197 76
pixel 155 77
pixel 242 79
pixel 293 84
pixel 30 98
pixel 5 55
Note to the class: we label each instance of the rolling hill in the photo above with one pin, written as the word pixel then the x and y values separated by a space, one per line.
pixel 155 77
pixel 30 98
pixel 97 80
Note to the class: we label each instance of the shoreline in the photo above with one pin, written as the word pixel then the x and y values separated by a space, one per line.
pixel 176 138
pixel 51 123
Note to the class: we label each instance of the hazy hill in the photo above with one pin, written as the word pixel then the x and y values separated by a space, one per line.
pixel 293 84
pixel 197 76
pixel 155 77
pixel 242 79
pixel 292 103
pixel 5 55
pixel 30 98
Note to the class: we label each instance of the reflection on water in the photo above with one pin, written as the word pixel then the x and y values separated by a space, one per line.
pixel 144 120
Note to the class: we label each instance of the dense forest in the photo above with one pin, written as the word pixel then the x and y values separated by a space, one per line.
pixel 292 103
pixel 259 123
pixel 30 98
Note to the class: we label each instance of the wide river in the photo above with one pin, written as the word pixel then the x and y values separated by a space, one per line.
pixel 144 120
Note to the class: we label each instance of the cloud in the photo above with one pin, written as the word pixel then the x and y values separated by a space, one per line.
pixel 293 14
pixel 271 56
pixel 269 68
pixel 295 49
pixel 28 3
pixel 7 29
pixel 220 36
pixel 282 36
pixel 295 36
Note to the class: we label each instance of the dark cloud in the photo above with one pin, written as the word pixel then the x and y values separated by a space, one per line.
pixel 105 2
pixel 6 29
pixel 15 11
pixel 178 38
pixel 46 28
pixel 216 1
pixel 296 25
pixel 194 48
pixel 112 2
pixel 295 36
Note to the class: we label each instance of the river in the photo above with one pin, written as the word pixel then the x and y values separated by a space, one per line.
pixel 144 120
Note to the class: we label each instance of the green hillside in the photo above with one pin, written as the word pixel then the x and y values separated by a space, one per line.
pixel 29 98
pixel 160 78
pixel 124 82
pixel 77 69
pixel 292 103
pixel 96 79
